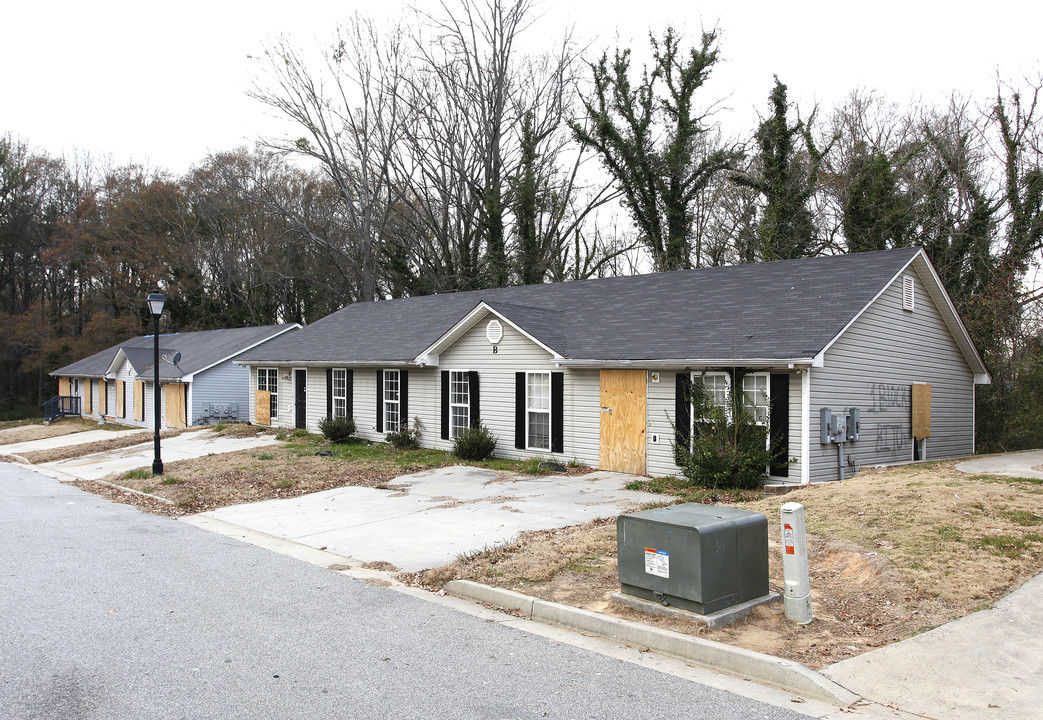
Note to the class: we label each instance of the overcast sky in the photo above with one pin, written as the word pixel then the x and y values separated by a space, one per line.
pixel 164 83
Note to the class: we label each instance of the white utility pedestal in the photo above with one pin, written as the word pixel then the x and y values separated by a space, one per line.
pixel 796 597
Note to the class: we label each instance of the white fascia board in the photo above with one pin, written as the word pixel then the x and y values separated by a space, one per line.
pixel 326 363
pixel 688 362
pixel 465 323
pixel 240 351
pixel 117 360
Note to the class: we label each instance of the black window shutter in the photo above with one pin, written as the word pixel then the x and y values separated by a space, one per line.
pixel 380 401
pixel 519 410
pixel 472 396
pixel 557 412
pixel 349 391
pixel 403 398
pixel 329 392
pixel 682 410
pixel 445 404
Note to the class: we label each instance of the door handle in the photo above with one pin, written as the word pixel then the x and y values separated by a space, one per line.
pixel 608 410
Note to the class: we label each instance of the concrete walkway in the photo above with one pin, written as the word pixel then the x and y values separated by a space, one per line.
pixel 986 665
pixel 1015 464
pixel 187 445
pixel 60 441
pixel 433 516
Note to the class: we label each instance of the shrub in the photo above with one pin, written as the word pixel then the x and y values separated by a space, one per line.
pixel 727 450
pixel 337 429
pixel 475 443
pixel 407 438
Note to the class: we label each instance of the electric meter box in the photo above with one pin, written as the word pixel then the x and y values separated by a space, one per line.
pixel 700 558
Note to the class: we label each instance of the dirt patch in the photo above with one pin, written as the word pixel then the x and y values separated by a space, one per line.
pixel 891 554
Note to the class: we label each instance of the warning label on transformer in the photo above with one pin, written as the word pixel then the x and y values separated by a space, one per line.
pixel 657 562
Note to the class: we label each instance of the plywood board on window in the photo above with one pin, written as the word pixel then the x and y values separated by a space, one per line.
pixel 63 387
pixel 921 406
pixel 88 397
pixel 623 403
pixel 263 407
pixel 103 398
pixel 139 400
pixel 121 399
pixel 174 399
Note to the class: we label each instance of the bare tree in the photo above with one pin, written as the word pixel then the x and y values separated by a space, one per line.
pixel 352 117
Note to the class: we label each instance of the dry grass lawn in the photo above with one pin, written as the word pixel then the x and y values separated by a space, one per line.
pixel 14 434
pixel 891 553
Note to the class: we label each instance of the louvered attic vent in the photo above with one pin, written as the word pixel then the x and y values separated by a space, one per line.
pixel 908 293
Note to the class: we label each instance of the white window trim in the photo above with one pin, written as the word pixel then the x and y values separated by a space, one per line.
pixel 274 406
pixel 767 399
pixel 343 398
pixel 466 405
pixel 698 377
pixel 397 402
pixel 530 410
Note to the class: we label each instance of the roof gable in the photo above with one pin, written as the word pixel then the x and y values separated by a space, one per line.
pixel 541 326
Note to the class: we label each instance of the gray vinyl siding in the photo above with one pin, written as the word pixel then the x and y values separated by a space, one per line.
pixel 873 365
pixel 123 372
pixel 223 383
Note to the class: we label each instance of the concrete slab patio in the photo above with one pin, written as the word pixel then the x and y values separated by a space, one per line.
pixel 187 445
pixel 432 517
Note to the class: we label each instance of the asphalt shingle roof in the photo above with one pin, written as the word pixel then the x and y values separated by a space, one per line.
pixel 198 350
pixel 777 310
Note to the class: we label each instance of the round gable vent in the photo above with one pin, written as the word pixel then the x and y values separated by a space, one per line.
pixel 494 331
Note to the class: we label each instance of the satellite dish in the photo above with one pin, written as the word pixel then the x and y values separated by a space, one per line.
pixel 177 358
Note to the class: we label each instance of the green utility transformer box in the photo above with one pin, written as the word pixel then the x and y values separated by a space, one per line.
pixel 701 558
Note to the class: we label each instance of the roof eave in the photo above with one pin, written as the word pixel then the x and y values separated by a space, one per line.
pixel 789 363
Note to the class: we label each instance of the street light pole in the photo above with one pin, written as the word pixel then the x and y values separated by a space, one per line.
pixel 155 304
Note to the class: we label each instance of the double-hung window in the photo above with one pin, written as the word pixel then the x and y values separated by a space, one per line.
pixel 755 394
pixel 340 392
pixel 537 410
pixel 459 402
pixel 392 399
pixel 268 379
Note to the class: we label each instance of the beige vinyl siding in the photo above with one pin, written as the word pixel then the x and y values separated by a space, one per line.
pixel 872 367
pixel 496 377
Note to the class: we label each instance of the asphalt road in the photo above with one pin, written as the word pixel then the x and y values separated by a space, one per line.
pixel 108 612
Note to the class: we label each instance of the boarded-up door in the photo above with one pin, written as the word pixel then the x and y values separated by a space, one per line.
pixel 174 399
pixel 88 397
pixel 263 407
pixel 121 399
pixel 139 400
pixel 103 398
pixel 623 421
pixel 921 407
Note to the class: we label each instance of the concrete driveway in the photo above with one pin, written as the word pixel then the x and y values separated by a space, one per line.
pixel 433 516
pixel 1027 464
pixel 69 440
pixel 187 445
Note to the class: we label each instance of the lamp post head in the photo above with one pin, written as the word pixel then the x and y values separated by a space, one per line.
pixel 155 303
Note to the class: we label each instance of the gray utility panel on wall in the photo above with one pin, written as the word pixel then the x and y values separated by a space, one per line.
pixel 701 558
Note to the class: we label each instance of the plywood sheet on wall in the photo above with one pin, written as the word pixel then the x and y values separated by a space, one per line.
pixel 921 406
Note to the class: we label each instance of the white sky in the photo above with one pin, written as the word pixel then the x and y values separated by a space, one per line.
pixel 164 83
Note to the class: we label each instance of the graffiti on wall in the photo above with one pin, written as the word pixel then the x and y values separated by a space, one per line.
pixel 890 437
pixel 889 396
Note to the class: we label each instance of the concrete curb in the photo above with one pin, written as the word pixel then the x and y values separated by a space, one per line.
pixel 765 669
